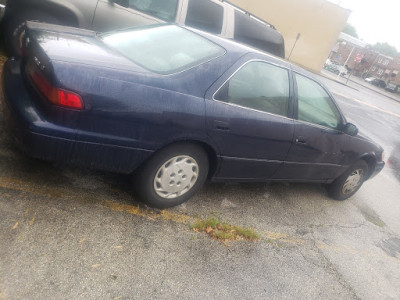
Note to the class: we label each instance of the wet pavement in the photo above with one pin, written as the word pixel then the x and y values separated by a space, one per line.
pixel 355 82
pixel 70 233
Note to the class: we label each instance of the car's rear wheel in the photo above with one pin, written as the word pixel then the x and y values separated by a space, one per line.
pixel 172 175
pixel 14 29
pixel 350 182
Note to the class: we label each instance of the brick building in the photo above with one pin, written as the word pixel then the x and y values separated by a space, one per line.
pixel 363 61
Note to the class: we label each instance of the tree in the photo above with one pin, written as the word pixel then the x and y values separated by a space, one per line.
pixel 385 48
pixel 350 30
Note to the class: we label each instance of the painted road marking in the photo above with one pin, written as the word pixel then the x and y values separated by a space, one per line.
pixel 368 104
pixel 165 215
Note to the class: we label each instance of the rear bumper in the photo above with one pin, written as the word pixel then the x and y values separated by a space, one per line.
pixel 40 138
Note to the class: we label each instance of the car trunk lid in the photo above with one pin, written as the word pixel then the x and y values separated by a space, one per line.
pixel 74 45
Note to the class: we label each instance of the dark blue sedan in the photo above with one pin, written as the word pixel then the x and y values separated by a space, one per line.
pixel 174 107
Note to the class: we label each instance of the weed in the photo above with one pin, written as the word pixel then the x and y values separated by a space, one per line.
pixel 223 231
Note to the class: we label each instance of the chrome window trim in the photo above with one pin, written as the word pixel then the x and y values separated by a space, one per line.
pixel 318 126
pixel 248 108
pixel 252 109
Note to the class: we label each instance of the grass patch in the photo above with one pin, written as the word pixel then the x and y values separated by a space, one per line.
pixel 225 232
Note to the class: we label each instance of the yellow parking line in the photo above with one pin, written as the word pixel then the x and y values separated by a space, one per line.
pixel 368 104
pixel 165 215
pixel 32 188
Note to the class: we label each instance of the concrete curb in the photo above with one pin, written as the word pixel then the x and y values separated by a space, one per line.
pixel 371 88
pixel 393 97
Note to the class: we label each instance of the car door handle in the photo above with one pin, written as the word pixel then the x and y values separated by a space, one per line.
pixel 301 140
pixel 221 125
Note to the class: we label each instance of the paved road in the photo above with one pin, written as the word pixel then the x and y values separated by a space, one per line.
pixel 69 233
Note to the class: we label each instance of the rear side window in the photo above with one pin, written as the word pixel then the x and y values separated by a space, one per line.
pixel 260 86
pixel 163 9
pixel 205 15
pixel 164 49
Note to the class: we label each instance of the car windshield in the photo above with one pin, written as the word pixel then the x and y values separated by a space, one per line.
pixel 165 49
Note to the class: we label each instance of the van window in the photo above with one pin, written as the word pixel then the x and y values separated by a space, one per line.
pixel 205 15
pixel 163 9
pixel 258 35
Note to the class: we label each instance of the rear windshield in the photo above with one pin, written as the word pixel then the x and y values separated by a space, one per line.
pixel 165 49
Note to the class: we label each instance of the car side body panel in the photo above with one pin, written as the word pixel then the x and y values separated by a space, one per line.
pixel 130 113
pixel 252 144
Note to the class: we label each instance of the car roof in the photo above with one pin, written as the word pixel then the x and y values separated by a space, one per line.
pixel 233 46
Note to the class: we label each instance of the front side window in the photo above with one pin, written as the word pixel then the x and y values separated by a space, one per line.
pixel 163 9
pixel 205 15
pixel 151 48
pixel 315 105
pixel 260 86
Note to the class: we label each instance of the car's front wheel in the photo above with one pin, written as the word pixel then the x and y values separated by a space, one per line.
pixel 172 175
pixel 350 182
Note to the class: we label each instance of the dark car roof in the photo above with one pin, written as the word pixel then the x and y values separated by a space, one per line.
pixel 85 48
pixel 232 48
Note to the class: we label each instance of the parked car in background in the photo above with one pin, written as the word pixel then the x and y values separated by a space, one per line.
pixel 375 81
pixel 335 68
pixel 175 114
pixel 217 17
pixel 392 87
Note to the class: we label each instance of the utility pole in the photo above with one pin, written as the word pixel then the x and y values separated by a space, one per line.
pixel 347 60
pixel 294 45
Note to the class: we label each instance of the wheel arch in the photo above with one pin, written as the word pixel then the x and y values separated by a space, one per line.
pixel 371 162
pixel 210 151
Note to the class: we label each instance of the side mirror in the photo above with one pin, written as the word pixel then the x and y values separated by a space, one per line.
pixel 350 129
pixel 124 3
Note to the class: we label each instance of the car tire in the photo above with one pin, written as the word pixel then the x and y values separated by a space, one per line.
pixel 172 175
pixel 14 29
pixel 349 183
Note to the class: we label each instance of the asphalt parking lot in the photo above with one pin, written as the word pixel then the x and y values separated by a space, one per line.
pixel 70 233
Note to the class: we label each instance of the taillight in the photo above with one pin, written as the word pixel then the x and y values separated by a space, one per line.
pixel 55 95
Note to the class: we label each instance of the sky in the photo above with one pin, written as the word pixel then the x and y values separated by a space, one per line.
pixel 375 20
